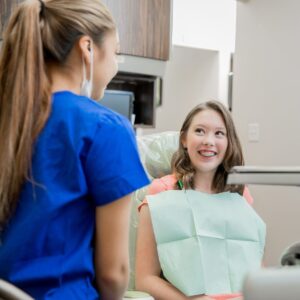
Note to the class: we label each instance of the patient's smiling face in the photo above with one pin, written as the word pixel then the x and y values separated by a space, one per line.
pixel 206 141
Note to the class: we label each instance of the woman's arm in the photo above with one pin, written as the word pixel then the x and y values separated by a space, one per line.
pixel 147 264
pixel 111 253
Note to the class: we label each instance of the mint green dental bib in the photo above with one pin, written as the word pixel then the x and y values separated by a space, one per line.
pixel 206 243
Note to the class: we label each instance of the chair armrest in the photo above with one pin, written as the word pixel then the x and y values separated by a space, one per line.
pixel 137 295
pixel 9 291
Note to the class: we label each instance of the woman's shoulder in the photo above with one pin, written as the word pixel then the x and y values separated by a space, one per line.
pixel 247 195
pixel 162 184
pixel 159 185
pixel 71 108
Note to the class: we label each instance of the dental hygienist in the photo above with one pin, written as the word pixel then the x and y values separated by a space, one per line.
pixel 68 165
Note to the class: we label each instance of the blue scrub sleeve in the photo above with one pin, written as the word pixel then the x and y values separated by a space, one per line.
pixel 113 167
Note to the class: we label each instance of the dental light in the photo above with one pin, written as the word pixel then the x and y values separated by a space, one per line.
pixel 272 283
pixel 289 176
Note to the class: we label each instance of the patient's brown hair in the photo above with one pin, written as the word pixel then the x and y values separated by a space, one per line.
pixel 182 166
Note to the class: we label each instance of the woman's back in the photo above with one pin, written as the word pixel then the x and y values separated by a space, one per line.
pixel 47 247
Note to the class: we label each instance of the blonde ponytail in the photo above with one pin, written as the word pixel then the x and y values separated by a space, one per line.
pixel 24 101
pixel 38 33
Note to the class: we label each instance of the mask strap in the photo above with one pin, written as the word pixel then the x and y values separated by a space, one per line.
pixel 87 85
pixel 91 66
pixel 83 69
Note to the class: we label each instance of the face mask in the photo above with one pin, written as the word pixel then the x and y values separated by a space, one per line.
pixel 87 85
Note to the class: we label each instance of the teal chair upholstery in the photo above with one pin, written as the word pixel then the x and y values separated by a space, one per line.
pixel 156 151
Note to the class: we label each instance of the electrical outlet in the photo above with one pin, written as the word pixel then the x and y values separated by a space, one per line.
pixel 253 132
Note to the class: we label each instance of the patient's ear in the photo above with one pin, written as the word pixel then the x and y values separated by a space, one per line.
pixel 183 141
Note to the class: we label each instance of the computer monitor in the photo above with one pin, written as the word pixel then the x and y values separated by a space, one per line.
pixel 120 102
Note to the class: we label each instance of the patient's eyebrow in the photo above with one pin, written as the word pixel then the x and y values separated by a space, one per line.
pixel 220 128
pixel 205 126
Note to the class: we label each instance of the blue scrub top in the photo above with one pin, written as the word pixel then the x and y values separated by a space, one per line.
pixel 86 156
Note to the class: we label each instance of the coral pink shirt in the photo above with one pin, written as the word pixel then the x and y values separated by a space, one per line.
pixel 168 182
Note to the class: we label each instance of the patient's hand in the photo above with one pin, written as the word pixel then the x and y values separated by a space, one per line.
pixel 210 298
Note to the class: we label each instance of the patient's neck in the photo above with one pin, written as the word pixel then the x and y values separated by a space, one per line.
pixel 203 182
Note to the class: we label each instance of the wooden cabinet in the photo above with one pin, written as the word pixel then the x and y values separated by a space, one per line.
pixel 144 26
pixel 6 7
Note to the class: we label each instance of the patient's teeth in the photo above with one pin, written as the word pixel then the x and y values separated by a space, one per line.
pixel 207 153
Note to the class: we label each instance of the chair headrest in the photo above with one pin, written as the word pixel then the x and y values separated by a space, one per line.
pixel 156 151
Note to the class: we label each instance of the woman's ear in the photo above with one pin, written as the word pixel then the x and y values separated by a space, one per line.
pixel 85 44
pixel 183 141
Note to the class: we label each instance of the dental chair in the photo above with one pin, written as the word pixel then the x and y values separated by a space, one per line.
pixel 156 151
pixel 11 292
pixel 276 283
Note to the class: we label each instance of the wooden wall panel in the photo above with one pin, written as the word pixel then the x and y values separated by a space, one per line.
pixel 144 26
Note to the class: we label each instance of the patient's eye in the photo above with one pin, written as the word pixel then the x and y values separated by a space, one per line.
pixel 220 133
pixel 200 130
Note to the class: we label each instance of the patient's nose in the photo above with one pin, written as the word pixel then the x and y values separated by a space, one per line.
pixel 208 140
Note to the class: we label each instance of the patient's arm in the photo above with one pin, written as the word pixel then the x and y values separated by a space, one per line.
pixel 147 265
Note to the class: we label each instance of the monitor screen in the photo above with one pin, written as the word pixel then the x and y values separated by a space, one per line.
pixel 119 101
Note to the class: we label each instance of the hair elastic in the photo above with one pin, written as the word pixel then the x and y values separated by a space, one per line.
pixel 42 6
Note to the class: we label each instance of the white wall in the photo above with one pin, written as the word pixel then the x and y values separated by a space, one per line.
pixel 207 24
pixel 203 38
pixel 191 78
pixel 266 92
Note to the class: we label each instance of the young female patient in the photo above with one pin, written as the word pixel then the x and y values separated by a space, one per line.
pixel 198 236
